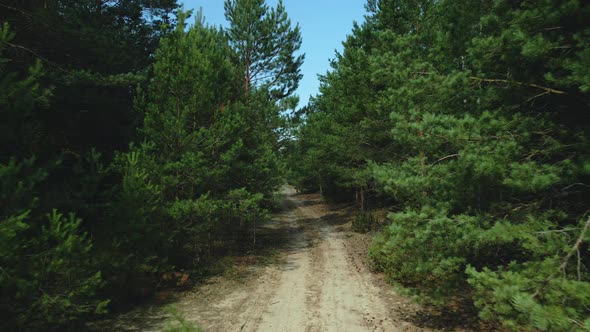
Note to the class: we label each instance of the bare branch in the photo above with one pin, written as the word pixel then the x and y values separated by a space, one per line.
pixel 576 247
pixel 39 56
pixel 575 185
pixel 15 9
pixel 496 80
pixel 456 155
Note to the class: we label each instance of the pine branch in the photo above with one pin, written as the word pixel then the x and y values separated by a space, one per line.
pixel 575 185
pixel 496 80
pixel 15 9
pixel 531 99
pixel 576 249
pixel 39 56
pixel 559 231
pixel 456 155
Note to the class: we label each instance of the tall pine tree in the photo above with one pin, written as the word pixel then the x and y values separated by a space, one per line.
pixel 266 46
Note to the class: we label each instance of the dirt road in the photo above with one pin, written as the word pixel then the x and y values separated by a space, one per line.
pixel 318 284
pixel 317 287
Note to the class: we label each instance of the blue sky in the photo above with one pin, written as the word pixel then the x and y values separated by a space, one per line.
pixel 324 26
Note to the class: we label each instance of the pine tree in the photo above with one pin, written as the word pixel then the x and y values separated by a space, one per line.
pixel 266 45
pixel 198 145
pixel 483 119
pixel 94 53
pixel 47 275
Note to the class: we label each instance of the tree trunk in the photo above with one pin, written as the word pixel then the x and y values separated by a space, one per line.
pixel 254 239
pixel 362 199
pixel 247 76
pixel 209 243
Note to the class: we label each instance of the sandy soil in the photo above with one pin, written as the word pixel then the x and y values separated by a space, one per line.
pixel 320 283
pixel 320 288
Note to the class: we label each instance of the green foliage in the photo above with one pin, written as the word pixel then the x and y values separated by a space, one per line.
pixel 507 296
pixel 66 80
pixel 65 273
pixel 19 95
pixel 265 44
pixel 364 222
pixel 196 183
pixel 209 164
pixel 475 127
pixel 47 274
pixel 93 54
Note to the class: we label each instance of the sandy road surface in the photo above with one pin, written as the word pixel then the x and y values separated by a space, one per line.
pixel 318 285
pixel 319 289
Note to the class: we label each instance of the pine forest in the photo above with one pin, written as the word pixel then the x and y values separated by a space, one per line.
pixel 141 145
